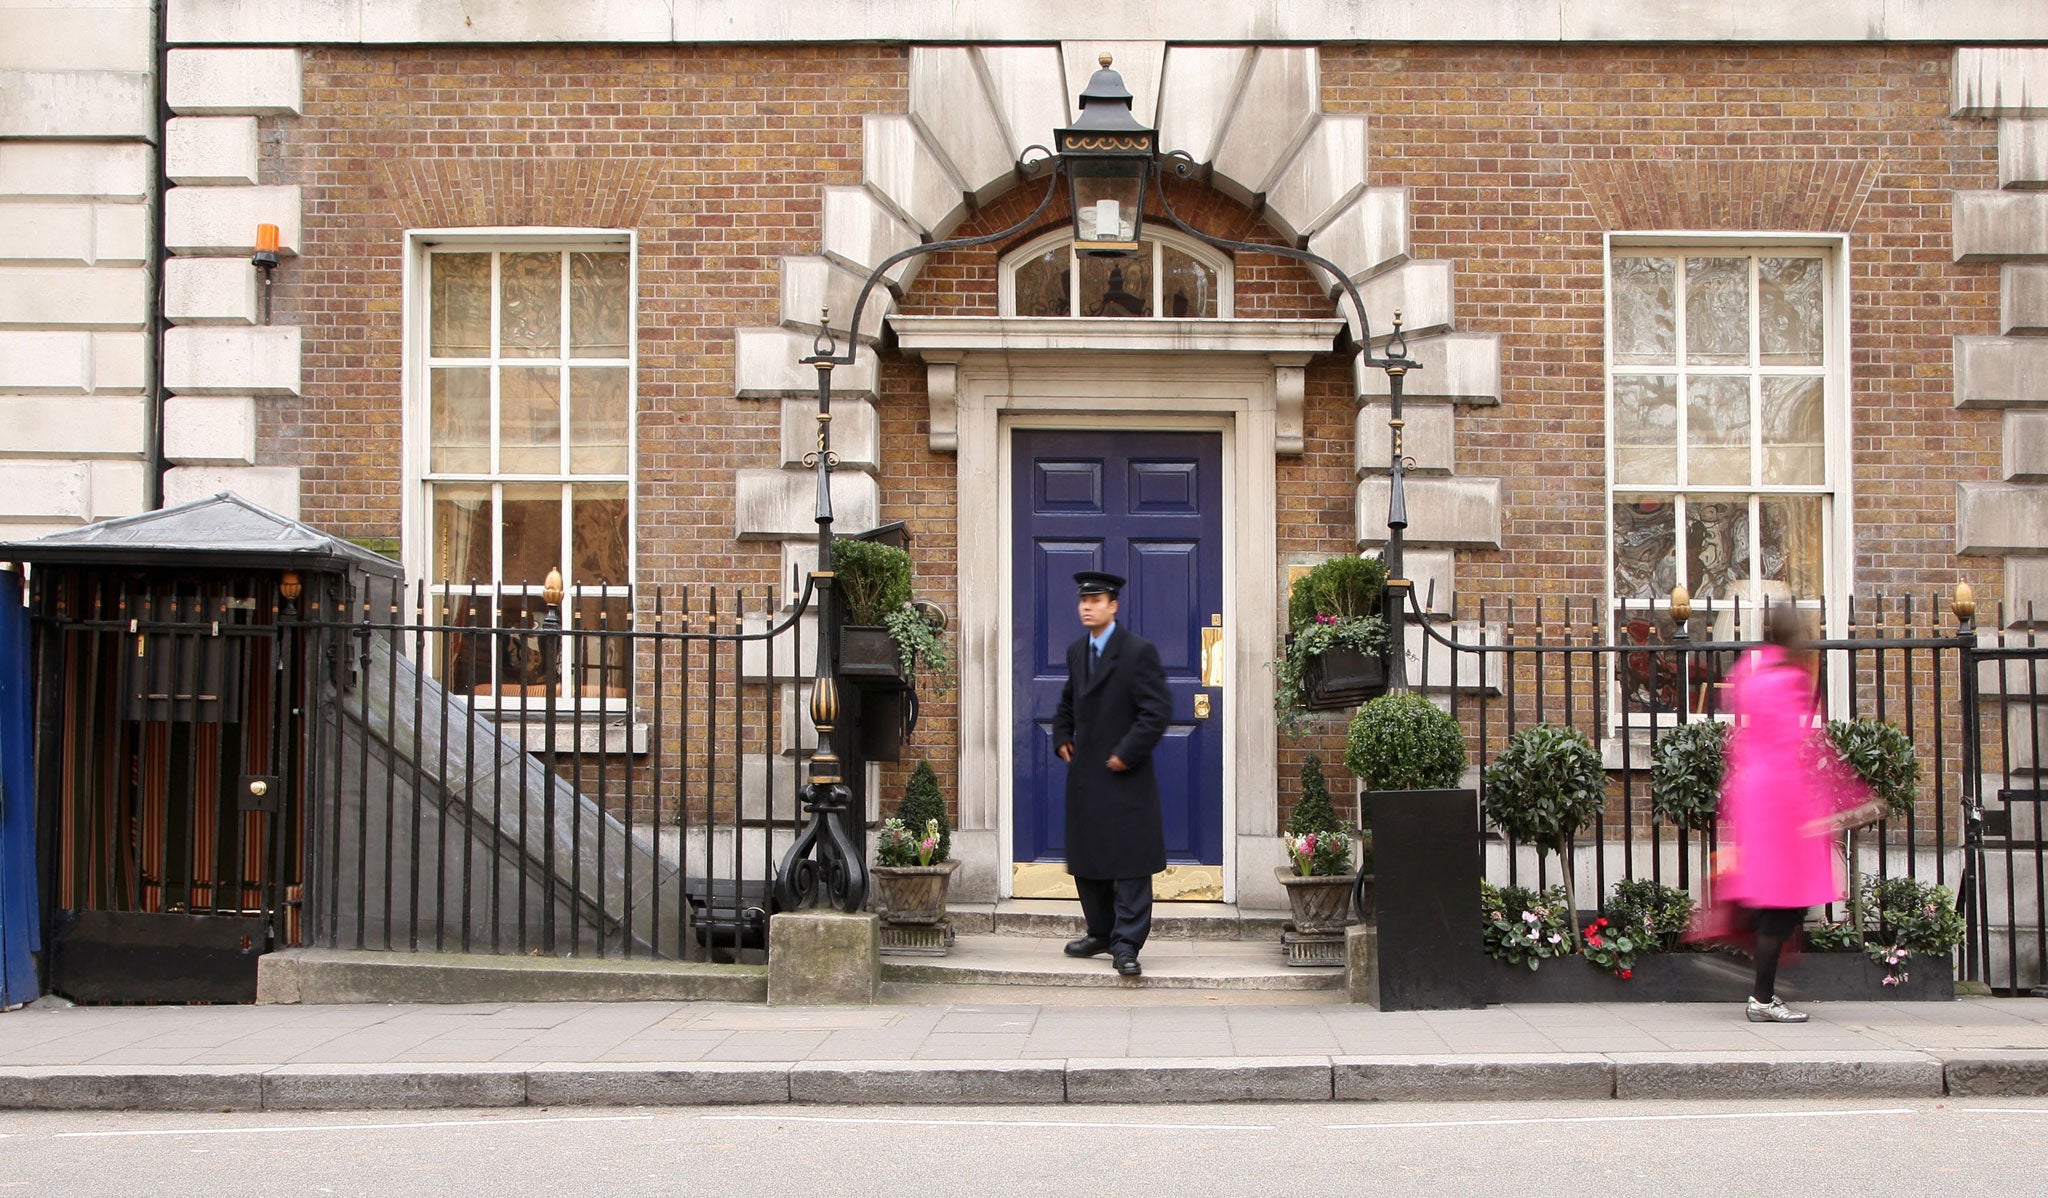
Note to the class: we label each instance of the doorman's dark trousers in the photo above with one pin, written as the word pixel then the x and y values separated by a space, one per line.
pixel 1118 910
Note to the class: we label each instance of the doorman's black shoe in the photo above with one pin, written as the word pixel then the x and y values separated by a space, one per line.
pixel 1127 965
pixel 1087 946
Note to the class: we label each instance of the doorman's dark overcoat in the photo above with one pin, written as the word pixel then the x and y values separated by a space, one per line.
pixel 1114 828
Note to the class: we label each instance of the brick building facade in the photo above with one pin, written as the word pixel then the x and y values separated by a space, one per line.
pixel 1521 182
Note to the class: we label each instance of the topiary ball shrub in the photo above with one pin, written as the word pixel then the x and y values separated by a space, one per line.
pixel 1686 771
pixel 874 579
pixel 1881 754
pixel 1546 784
pixel 1402 741
pixel 922 802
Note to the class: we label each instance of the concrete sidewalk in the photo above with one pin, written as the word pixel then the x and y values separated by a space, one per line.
pixel 1199 1049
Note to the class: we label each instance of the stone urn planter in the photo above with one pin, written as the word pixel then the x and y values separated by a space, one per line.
pixel 1321 907
pixel 911 899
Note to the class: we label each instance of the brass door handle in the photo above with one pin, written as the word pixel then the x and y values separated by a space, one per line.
pixel 1201 707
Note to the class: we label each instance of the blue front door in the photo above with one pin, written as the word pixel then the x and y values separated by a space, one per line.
pixel 1148 506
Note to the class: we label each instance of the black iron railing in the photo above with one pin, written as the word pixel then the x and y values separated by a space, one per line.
pixel 1627 674
pixel 593 772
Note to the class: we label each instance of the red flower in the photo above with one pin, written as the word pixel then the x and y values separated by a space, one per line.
pixel 1627 973
pixel 1601 922
pixel 1595 942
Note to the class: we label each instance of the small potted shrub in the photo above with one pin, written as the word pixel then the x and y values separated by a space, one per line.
pixel 1334 655
pixel 913 865
pixel 1409 756
pixel 874 583
pixel 1321 878
pixel 1546 784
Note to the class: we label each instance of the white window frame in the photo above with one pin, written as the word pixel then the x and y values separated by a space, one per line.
pixel 1837 486
pixel 1153 237
pixel 416 541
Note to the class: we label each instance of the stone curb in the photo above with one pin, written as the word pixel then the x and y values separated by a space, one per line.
pixel 1441 1078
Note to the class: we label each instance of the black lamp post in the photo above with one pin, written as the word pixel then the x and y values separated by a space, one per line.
pixel 1110 161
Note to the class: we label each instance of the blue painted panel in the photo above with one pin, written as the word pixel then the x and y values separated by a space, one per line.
pixel 1147 506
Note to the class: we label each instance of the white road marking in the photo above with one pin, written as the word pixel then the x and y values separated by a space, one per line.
pixel 1069 1123
pixel 242 1131
pixel 2002 1110
pixel 1623 1119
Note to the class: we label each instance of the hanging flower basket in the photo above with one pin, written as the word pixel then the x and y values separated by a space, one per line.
pixel 1338 678
pixel 869 656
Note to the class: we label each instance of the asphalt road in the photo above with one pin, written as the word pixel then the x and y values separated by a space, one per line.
pixel 1952 1147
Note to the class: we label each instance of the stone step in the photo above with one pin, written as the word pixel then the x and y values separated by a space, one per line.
pixel 1184 964
pixel 1061 919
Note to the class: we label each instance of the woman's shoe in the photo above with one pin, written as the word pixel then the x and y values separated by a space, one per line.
pixel 1774 1011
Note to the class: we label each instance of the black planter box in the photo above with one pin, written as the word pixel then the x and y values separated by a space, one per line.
pixel 1426 873
pixel 1339 678
pixel 1720 977
pixel 869 656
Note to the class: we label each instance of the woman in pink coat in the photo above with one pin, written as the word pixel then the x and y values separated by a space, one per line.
pixel 1777 805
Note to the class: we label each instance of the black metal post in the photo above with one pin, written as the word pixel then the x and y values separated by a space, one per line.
pixel 1399 586
pixel 825 864
pixel 1972 890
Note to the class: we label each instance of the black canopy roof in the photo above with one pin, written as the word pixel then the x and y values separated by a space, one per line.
pixel 224 530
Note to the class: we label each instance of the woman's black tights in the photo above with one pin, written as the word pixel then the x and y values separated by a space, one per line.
pixel 1774 926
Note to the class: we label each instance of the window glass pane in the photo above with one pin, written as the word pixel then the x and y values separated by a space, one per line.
pixel 461 298
pixel 1116 286
pixel 1717 311
pixel 533 532
pixel 1645 310
pixel 1789 529
pixel 597 661
pixel 1794 441
pixel 522 649
pixel 1645 430
pixel 597 420
pixel 460 403
pixel 462 532
pixel 598 526
pixel 529 420
pixel 1716 546
pixel 600 298
pixel 1188 288
pixel 1717 430
pixel 530 305
pixel 1645 544
pixel 1043 283
pixel 1789 311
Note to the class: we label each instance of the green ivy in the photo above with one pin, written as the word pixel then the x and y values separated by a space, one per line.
pixel 1402 741
pixel 1686 769
pixel 1361 634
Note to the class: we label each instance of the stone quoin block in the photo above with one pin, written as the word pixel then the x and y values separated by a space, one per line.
pixel 37 233
pixel 1441 511
pixel 1990 81
pixel 223 220
pixel 207 360
pixel 2023 153
pixel 856 433
pixel 1461 367
pixel 2023 299
pixel 69 36
pixel 237 82
pixel 768 364
pixel 903 170
pixel 1991 226
pixel 273 487
pixel 1024 84
pixel 211 150
pixel 861 233
pixel 814 290
pixel 1274 114
pixel 1995 518
pixel 1427 437
pixel 1199 84
pixel 211 291
pixel 73 426
pixel 210 430
pixel 2001 372
pixel 773 504
pixel 1419 291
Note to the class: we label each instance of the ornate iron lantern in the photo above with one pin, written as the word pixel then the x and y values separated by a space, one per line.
pixel 1108 157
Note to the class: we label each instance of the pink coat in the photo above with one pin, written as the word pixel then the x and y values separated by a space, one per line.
pixel 1774 792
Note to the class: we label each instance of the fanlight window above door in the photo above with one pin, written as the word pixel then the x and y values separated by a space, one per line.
pixel 1174 277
